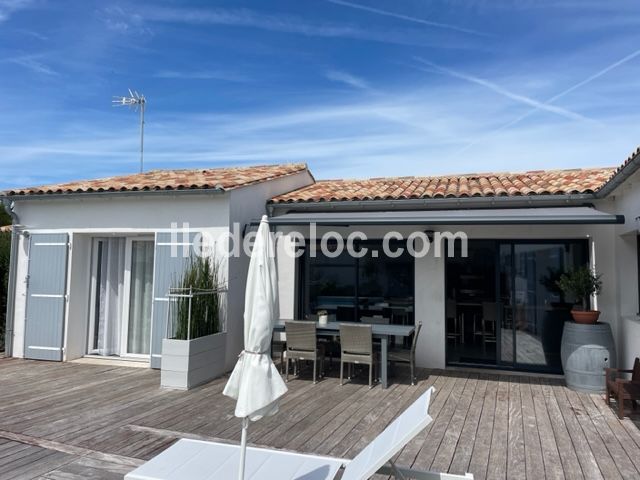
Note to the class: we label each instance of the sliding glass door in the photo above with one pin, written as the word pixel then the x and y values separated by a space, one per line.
pixel 121 296
pixel 535 310
pixel 504 307
pixel 140 298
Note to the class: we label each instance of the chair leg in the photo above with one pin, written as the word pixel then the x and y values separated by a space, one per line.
pixel 315 368
pixel 287 369
pixel 341 371
pixel 620 405
pixel 608 396
pixel 413 375
pixel 371 375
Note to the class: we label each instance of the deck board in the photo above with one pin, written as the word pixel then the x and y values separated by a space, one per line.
pixel 97 422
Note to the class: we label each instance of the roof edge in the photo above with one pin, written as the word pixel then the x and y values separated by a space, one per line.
pixel 628 168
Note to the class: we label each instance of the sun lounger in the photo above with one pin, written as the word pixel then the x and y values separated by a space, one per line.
pixel 198 460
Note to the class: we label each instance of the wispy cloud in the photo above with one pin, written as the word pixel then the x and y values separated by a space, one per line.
pixel 9 7
pixel 202 75
pixel 285 23
pixel 564 93
pixel 347 79
pixel 33 64
pixel 421 21
pixel 122 21
pixel 503 91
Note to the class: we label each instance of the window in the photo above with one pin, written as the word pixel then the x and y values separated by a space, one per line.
pixel 352 288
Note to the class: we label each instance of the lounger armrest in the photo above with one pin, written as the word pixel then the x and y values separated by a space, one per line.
pixel 408 473
pixel 622 380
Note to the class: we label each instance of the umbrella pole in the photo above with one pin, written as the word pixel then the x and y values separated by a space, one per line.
pixel 243 447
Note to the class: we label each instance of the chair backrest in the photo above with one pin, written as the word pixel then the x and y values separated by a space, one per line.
pixel 635 375
pixel 375 320
pixel 415 338
pixel 356 339
pixel 301 336
pixel 393 439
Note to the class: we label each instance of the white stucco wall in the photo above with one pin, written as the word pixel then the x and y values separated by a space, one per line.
pixel 625 200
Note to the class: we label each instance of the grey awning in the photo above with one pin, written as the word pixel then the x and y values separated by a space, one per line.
pixel 497 216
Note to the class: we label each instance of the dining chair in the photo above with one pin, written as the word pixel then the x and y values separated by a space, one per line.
pixel 356 347
pixel 279 342
pixel 404 355
pixel 302 345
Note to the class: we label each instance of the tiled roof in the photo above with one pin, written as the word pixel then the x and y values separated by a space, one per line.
pixel 222 178
pixel 552 182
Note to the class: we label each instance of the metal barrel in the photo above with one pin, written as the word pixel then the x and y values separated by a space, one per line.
pixel 586 351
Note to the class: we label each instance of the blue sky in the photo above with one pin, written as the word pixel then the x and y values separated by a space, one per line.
pixel 361 88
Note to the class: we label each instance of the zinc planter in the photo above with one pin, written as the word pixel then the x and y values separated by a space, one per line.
pixel 189 363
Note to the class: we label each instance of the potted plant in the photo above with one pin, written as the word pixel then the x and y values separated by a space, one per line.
pixel 323 317
pixel 195 351
pixel 581 284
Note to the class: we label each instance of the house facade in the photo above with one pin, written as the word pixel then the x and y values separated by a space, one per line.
pixel 93 260
pixel 499 306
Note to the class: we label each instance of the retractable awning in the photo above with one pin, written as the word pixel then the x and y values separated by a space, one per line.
pixel 497 216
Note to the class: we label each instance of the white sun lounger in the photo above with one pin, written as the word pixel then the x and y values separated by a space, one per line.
pixel 198 460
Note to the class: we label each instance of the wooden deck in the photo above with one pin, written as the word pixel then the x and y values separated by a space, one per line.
pixel 71 421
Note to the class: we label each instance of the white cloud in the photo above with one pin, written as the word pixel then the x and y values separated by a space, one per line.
pixel 202 75
pixel 285 23
pixel 33 64
pixel 9 7
pixel 504 92
pixel 421 21
pixel 347 79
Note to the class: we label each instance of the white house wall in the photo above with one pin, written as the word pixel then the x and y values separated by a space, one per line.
pixel 626 201
pixel 99 216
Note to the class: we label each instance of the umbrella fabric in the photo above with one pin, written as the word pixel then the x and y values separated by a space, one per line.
pixel 255 382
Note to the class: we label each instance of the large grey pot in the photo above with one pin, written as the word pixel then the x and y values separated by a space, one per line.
pixel 586 351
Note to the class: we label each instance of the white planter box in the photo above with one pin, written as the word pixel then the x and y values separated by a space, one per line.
pixel 189 363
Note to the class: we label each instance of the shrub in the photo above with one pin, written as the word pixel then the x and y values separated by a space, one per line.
pixel 581 283
pixel 201 293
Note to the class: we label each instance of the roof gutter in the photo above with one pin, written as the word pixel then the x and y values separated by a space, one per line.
pixel 11 290
pixel 632 165
pixel 275 209
pixel 126 193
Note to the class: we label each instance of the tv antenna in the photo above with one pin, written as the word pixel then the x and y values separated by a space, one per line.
pixel 136 102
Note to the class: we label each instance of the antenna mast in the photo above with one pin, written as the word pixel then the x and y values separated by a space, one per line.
pixel 135 101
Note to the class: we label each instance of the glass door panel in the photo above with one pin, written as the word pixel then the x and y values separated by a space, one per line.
pixel 140 297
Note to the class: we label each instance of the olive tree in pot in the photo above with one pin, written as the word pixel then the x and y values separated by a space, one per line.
pixel 581 284
pixel 194 351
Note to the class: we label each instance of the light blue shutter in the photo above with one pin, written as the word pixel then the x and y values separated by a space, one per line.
pixel 167 268
pixel 46 296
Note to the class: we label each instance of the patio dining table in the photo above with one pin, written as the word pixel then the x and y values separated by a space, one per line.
pixel 379 331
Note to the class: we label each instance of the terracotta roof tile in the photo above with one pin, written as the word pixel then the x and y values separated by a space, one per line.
pixel 552 182
pixel 221 178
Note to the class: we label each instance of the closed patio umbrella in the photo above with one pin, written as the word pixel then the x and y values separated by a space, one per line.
pixel 255 382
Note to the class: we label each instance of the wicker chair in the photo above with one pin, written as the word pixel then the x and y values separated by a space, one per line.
pixel 403 355
pixel 623 389
pixel 356 347
pixel 302 344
